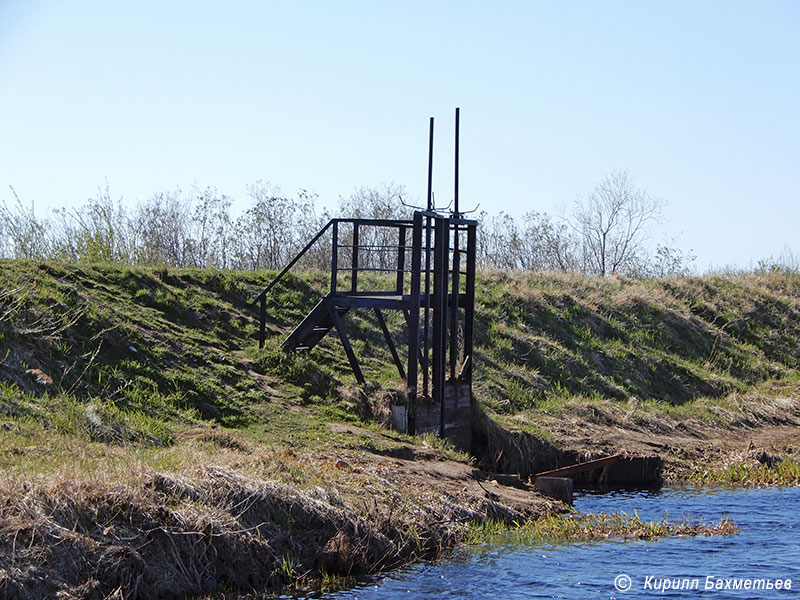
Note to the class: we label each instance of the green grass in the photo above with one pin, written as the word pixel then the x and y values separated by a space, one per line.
pixel 153 350
pixel 589 527
pixel 748 474
pixel 111 374
pixel 548 335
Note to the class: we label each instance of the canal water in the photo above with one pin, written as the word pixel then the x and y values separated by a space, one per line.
pixel 751 564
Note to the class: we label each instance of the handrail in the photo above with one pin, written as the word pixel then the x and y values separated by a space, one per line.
pixel 373 222
pixel 292 263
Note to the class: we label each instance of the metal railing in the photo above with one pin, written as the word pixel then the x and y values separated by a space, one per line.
pixel 354 268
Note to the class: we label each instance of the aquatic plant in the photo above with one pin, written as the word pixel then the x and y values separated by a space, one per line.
pixel 751 473
pixel 592 527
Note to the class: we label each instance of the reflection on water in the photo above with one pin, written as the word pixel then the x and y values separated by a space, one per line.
pixel 766 548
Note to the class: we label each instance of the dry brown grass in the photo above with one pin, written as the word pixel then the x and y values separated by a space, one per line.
pixel 216 512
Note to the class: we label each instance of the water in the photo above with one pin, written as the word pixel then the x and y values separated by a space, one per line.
pixel 766 548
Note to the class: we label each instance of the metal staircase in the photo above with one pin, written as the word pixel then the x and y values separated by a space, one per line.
pixel 314 327
pixel 422 267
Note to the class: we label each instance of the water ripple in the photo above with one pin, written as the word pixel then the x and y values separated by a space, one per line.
pixel 765 548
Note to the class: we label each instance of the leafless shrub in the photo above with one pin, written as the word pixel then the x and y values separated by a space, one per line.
pixel 533 243
pixel 25 234
pixel 96 232
pixel 270 233
pixel 670 261
pixel 161 236
pixel 785 262
pixel 606 232
pixel 212 230
pixel 383 202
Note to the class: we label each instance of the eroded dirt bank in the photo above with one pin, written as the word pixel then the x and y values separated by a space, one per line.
pixel 260 518
pixel 236 524
pixel 739 441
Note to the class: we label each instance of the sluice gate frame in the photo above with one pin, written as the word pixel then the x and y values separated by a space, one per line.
pixel 430 263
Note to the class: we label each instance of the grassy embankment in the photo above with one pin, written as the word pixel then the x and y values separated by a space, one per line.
pixel 686 368
pixel 136 400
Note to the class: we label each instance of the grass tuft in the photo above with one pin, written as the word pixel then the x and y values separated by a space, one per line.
pixel 591 527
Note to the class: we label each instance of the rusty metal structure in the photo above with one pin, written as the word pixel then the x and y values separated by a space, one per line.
pixel 429 267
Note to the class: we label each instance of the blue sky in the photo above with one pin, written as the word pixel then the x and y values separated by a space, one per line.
pixel 697 100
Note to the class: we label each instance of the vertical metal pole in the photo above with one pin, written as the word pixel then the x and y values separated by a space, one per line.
pixel 456 260
pixel 335 256
pixel 354 264
pixel 440 264
pixel 456 285
pixel 426 326
pixel 455 196
pixel 469 302
pixel 262 327
pixel 430 167
pixel 401 259
pixel 426 317
pixel 413 324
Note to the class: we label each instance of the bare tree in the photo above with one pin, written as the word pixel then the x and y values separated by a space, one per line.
pixel 613 223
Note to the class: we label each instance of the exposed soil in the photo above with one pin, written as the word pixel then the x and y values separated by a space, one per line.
pixel 416 466
pixel 688 448
pixel 339 511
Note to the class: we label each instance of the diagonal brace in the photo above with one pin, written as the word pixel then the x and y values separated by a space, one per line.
pixel 351 357
pixel 390 343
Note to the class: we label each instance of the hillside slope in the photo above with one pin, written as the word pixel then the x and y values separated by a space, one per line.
pixel 671 340
pixel 136 407
pixel 90 329
pixel 149 346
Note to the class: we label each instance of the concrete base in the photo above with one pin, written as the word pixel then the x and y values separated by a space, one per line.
pixel 457 415
pixel 399 418
pixel 633 471
pixel 559 488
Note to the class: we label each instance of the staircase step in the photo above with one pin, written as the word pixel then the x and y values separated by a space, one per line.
pixel 311 329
